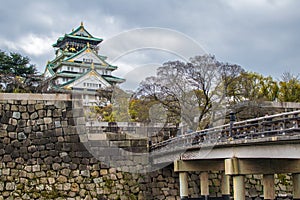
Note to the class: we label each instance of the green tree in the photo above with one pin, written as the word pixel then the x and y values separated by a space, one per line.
pixel 289 88
pixel 17 74
pixel 249 86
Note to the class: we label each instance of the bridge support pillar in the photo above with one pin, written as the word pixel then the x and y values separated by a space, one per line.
pixel 204 185
pixel 225 186
pixel 296 186
pixel 239 187
pixel 269 186
pixel 183 183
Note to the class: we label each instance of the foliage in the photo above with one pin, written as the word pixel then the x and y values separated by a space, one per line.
pixel 289 88
pixel 116 106
pixel 139 109
pixel 17 74
pixel 105 113
pixel 252 87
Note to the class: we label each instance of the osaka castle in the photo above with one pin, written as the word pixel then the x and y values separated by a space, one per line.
pixel 77 66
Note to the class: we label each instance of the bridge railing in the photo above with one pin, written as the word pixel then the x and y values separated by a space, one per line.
pixel 268 126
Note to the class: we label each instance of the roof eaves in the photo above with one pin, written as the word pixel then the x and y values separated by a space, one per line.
pixel 113 78
pixel 67 83
pixel 84 38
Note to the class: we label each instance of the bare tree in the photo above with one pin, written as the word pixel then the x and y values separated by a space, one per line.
pixel 191 91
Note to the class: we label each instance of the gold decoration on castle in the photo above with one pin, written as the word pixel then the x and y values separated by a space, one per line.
pixel 92 73
pixel 88 47
pixel 72 49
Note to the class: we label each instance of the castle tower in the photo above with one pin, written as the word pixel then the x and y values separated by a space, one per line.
pixel 77 64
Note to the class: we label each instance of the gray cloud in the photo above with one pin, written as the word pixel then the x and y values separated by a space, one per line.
pixel 260 35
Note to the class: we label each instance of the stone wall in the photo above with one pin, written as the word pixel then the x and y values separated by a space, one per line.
pixel 164 184
pixel 42 157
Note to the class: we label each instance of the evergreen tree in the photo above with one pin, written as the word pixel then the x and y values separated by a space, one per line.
pixel 17 74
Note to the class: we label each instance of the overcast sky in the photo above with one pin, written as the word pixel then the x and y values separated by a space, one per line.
pixel 260 35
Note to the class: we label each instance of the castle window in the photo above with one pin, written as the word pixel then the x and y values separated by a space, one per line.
pixel 92 85
pixel 87 60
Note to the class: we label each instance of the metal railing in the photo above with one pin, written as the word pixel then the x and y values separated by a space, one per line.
pixel 268 126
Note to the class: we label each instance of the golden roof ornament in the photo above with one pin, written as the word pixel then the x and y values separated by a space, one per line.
pixel 93 66
pixel 81 24
pixel 88 47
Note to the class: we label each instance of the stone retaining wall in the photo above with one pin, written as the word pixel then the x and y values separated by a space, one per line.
pixel 42 157
pixel 164 184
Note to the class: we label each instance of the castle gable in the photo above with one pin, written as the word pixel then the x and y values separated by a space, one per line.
pixel 87 55
pixel 91 80
pixel 81 31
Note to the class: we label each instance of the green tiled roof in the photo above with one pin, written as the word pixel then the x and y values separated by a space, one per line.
pixel 85 38
pixel 73 35
pixel 67 83
pixel 50 69
pixel 78 29
pixel 78 77
pixel 108 78
pixel 67 74
pixel 111 78
pixel 77 37
pixel 100 57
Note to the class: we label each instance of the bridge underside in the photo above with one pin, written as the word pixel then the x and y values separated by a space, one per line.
pixel 276 148
pixel 237 168
pixel 235 161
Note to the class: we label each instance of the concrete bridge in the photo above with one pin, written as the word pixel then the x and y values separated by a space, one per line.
pixel 267 145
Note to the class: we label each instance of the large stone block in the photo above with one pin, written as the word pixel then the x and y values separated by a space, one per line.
pixel 16 115
pixel 30 108
pixel 39 106
pixel 22 123
pixel 5 117
pixel 25 115
pixel 10 186
pixel 34 115
pixel 115 136
pixel 22 109
pixel 21 136
pixel 57 113
pixel 120 143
